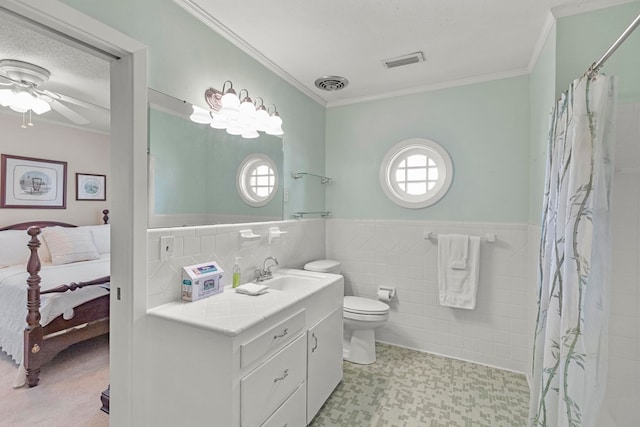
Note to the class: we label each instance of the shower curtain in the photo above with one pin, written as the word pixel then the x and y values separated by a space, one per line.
pixel 570 346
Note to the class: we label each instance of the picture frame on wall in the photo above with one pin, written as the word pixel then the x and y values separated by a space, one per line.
pixel 32 183
pixel 91 187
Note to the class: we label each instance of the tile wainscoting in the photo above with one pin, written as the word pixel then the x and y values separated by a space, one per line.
pixel 304 241
pixel 395 253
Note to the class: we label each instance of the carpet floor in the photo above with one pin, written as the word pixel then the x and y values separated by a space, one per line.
pixel 68 394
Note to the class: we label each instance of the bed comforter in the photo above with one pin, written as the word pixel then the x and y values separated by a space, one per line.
pixel 13 297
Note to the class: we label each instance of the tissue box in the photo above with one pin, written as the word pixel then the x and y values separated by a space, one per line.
pixel 201 280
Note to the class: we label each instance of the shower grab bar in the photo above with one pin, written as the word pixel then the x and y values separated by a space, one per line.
pixel 489 237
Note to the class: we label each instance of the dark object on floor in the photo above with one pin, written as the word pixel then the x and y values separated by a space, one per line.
pixel 104 398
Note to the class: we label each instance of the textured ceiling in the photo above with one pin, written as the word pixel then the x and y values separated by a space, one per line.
pixel 74 73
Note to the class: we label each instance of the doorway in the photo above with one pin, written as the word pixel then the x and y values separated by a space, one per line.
pixel 128 203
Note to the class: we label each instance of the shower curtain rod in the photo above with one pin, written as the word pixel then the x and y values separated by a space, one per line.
pixel 600 62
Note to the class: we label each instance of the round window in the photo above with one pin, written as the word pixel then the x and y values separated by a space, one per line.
pixel 257 180
pixel 416 173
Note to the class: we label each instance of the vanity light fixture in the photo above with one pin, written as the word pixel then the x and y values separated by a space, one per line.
pixel 236 114
pixel 262 116
pixel 275 123
pixel 200 115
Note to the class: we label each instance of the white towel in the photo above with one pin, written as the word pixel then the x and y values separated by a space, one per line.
pixel 458 251
pixel 252 289
pixel 458 287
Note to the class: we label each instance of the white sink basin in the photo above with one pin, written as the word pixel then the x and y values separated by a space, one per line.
pixel 294 283
pixel 298 282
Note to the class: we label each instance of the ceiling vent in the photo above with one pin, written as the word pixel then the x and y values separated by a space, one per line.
pixel 411 58
pixel 331 83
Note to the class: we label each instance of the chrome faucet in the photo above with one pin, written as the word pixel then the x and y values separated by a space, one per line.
pixel 266 272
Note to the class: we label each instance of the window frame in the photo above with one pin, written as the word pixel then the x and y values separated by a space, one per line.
pixel 243 177
pixel 400 153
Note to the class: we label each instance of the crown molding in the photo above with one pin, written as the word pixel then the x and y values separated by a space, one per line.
pixel 549 23
pixel 203 16
pixel 432 87
pixel 585 6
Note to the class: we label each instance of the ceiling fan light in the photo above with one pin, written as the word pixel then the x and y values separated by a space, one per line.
pixel 6 97
pixel 200 115
pixel 22 102
pixel 40 106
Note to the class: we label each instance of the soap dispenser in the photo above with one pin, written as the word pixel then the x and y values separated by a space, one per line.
pixel 236 272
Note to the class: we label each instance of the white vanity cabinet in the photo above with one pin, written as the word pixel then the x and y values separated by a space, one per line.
pixel 234 360
pixel 324 361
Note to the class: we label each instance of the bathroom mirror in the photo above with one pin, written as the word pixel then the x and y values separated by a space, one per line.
pixel 194 169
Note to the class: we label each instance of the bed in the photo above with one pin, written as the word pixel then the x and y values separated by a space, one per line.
pixel 65 289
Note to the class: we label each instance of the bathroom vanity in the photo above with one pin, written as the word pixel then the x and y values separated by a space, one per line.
pixel 238 360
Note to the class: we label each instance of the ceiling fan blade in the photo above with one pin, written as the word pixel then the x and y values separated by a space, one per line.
pixel 71 100
pixel 6 81
pixel 68 113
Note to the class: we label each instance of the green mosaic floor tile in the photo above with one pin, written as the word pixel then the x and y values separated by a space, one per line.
pixel 408 388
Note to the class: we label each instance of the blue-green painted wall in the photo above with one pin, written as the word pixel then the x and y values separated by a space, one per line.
pixel 484 127
pixel 185 58
pixel 542 95
pixel 582 39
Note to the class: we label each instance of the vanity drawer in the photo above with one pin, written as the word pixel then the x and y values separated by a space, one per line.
pixel 272 339
pixel 292 412
pixel 267 386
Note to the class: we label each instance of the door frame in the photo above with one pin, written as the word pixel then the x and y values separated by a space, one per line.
pixel 128 139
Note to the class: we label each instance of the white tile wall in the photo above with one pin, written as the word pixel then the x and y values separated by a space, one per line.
pixel 395 253
pixel 304 241
pixel 624 322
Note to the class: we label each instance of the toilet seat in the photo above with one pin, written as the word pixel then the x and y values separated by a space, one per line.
pixel 364 306
pixel 365 318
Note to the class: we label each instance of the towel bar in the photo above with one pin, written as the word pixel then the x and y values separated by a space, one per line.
pixel 489 237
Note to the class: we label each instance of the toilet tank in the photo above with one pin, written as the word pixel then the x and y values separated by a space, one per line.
pixel 323 266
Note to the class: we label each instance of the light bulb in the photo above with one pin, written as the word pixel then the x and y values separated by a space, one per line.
pixel 22 102
pixel 6 97
pixel 40 106
pixel 250 134
pixel 262 119
pixel 219 122
pixel 200 115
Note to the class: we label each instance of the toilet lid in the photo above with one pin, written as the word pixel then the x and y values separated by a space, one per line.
pixel 321 265
pixel 360 305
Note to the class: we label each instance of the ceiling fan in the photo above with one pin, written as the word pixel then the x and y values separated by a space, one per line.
pixel 20 91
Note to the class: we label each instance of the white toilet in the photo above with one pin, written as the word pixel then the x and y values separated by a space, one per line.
pixel 361 317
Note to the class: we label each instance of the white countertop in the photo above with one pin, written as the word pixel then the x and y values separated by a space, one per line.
pixel 231 313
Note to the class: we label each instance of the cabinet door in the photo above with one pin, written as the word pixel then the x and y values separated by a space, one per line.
pixel 269 385
pixel 324 361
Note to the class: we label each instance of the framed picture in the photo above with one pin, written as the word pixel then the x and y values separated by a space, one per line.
pixel 91 187
pixel 33 183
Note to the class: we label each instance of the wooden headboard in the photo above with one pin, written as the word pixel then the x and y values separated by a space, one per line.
pixel 42 224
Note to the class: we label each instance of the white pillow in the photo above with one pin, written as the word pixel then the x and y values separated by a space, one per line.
pixel 101 237
pixel 14 249
pixel 68 245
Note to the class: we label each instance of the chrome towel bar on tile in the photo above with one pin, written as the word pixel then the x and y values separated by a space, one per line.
pixel 489 237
